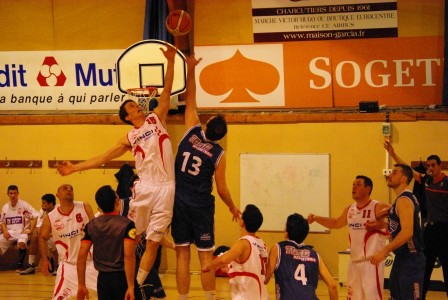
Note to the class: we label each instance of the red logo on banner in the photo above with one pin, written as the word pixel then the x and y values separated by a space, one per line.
pixel 50 73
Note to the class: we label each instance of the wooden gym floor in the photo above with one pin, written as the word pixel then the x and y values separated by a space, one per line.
pixel 15 286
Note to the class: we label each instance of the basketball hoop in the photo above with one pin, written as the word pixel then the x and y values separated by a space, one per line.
pixel 145 97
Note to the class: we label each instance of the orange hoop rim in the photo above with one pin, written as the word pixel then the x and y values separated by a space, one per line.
pixel 143 91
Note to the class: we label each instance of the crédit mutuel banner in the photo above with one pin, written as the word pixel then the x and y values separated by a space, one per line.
pixel 59 80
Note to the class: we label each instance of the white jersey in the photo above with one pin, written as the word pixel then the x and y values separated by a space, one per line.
pixel 17 218
pixel 364 243
pixel 67 231
pixel 152 151
pixel 247 278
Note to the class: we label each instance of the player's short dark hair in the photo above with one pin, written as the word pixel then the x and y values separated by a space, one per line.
pixel 49 198
pixel 252 217
pixel 216 128
pixel 105 198
pixel 12 187
pixel 435 157
pixel 297 228
pixel 122 113
pixel 367 182
pixel 406 171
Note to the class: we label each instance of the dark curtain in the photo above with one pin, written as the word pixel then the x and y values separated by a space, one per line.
pixel 154 26
pixel 445 65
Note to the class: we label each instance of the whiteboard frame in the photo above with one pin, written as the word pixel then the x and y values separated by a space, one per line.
pixel 259 174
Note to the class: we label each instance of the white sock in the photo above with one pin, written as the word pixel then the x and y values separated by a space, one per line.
pixel 210 295
pixel 183 296
pixel 141 276
pixel 31 259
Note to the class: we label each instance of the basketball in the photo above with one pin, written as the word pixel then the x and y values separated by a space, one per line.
pixel 178 22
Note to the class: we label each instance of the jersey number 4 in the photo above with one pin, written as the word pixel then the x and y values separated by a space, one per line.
pixel 300 274
pixel 194 168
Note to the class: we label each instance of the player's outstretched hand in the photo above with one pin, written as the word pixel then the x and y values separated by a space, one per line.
pixel 192 61
pixel 65 168
pixel 170 52
pixel 311 219
pixel 388 146
pixel 236 214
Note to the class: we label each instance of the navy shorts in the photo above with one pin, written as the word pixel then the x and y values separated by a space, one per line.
pixel 193 225
pixel 406 276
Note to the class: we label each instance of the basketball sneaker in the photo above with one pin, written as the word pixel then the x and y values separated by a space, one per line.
pixel 55 272
pixel 19 268
pixel 29 270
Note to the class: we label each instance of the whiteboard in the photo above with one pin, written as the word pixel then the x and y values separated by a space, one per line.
pixel 283 184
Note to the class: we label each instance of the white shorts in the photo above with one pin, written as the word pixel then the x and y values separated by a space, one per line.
pixel 15 237
pixel 365 280
pixel 66 284
pixel 151 209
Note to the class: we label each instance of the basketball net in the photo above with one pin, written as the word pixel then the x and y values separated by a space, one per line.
pixel 145 97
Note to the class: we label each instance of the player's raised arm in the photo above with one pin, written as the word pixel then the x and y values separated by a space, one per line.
pixel 164 100
pixel 390 149
pixel 333 223
pixel 67 168
pixel 191 113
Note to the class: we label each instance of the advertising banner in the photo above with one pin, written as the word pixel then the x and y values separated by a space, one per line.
pixel 59 80
pixel 286 21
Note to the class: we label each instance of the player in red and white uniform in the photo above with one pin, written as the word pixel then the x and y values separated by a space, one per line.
pixel 151 209
pixel 16 225
pixel 363 277
pixel 246 260
pixel 65 224
pixel 367 235
pixel 152 206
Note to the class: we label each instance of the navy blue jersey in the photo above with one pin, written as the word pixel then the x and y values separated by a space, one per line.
pixel 296 272
pixel 195 165
pixel 415 244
